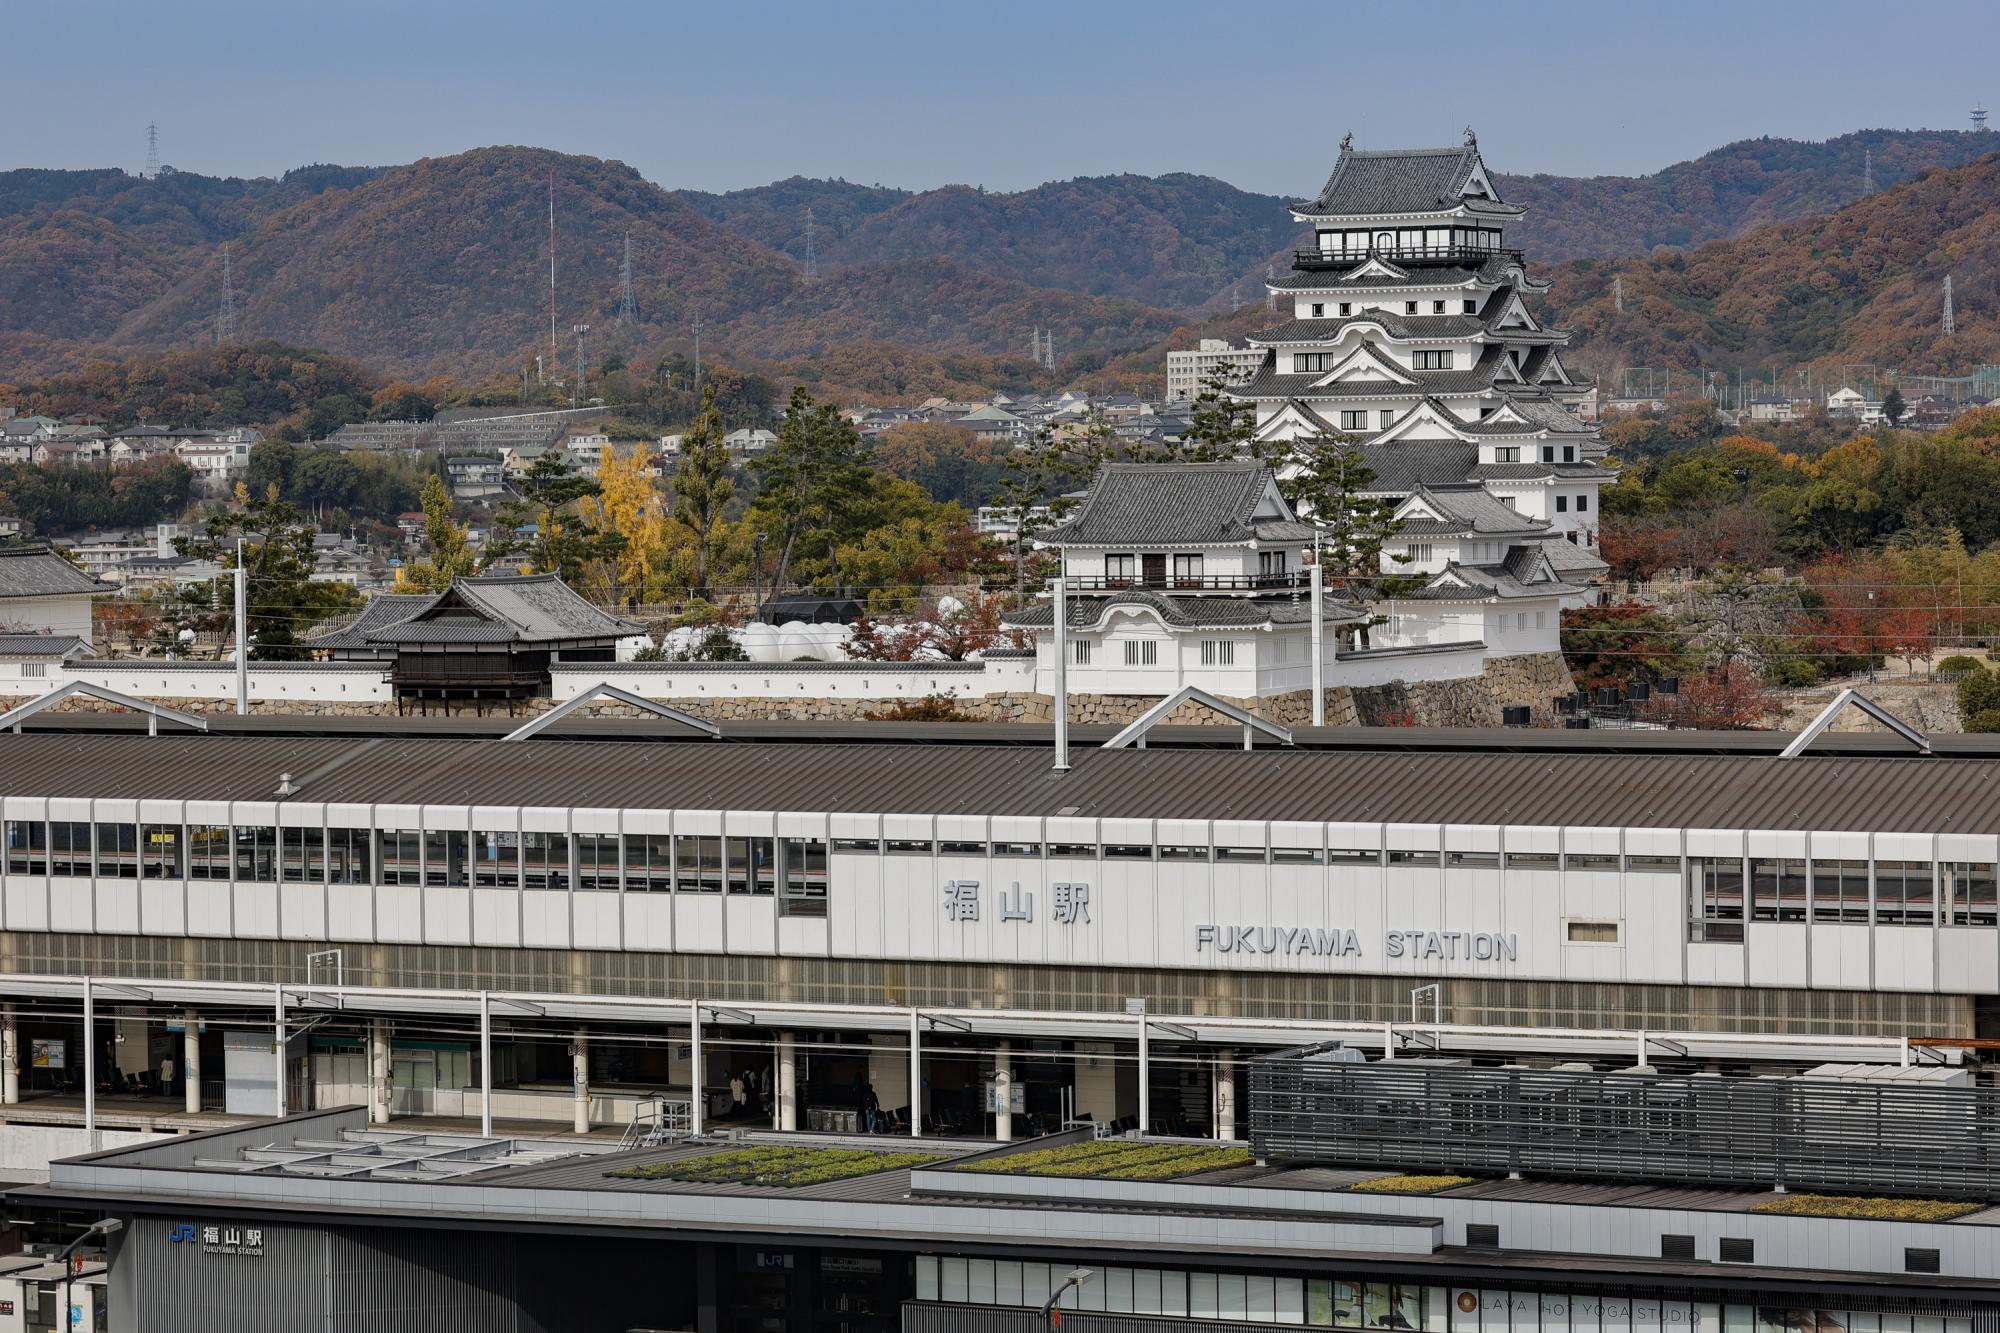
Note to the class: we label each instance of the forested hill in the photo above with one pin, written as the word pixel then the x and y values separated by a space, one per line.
pixel 1721 194
pixel 1863 285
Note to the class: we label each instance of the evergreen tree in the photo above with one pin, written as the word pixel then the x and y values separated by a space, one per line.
pixel 1893 407
pixel 282 601
pixel 1220 428
pixel 1045 470
pixel 561 540
pixel 1325 479
pixel 812 480
pixel 702 485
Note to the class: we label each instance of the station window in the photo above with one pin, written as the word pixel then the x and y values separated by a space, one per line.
pixel 1905 894
pixel 1354 856
pixel 961 848
pixel 300 858
pixel 159 849
pixel 753 866
pixel 649 863
pixel 1715 899
pixel 1777 888
pixel 909 846
pixel 1591 861
pixel 1183 852
pixel 1405 856
pixel 27 847
pixel 208 850
pixel 1969 893
pixel 118 851
pixel 1017 849
pixel 1128 851
pixel 545 860
pixel 347 855
pixel 597 857
pixel 1298 856
pixel 256 853
pixel 1591 932
pixel 1534 861
pixel 1839 890
pixel 400 856
pixel 697 863
pixel 1240 854
pixel 1086 851
pixel 1656 865
pixel 804 890
pixel 444 858
pixel 496 859
pixel 1474 860
pixel 856 845
pixel 69 848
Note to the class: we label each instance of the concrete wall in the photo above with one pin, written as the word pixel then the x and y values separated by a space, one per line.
pixel 33 1147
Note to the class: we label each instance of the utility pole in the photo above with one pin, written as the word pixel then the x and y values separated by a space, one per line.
pixel 552 271
pixel 628 309
pixel 225 321
pixel 243 663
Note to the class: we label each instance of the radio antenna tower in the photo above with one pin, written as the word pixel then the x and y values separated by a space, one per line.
pixel 628 309
pixel 152 152
pixel 225 320
pixel 1618 292
pixel 1979 118
pixel 1950 324
pixel 552 273
pixel 812 256
pixel 1867 171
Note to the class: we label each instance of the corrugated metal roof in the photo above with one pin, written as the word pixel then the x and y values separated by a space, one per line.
pixel 1577 787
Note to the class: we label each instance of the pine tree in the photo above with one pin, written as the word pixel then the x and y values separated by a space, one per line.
pixel 564 540
pixel 1220 428
pixel 1326 478
pixel 812 480
pixel 702 484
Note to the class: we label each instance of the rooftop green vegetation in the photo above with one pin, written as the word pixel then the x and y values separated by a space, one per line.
pixel 780 1168
pixel 1116 1159
pixel 1408 1184
pixel 1866 1209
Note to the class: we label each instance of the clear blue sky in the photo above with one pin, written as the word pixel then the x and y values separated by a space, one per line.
pixel 722 95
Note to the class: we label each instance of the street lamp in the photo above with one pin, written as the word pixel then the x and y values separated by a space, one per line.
pixel 1077 1277
pixel 104 1226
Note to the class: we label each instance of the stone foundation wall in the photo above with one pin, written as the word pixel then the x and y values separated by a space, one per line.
pixel 1533 679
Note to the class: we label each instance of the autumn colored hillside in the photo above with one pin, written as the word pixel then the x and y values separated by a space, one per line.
pixel 1862 285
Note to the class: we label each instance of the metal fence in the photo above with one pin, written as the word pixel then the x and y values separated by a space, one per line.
pixel 1686 1129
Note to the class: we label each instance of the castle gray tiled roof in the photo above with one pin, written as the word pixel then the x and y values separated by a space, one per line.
pixel 1403 466
pixel 1470 508
pixel 1087 611
pixel 1570 558
pixel 1402 180
pixel 32 569
pixel 1176 504
pixel 15 647
pixel 1412 327
pixel 489 608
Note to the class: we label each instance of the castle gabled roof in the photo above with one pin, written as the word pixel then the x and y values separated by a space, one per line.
pixel 489 608
pixel 1404 180
pixel 33 569
pixel 1181 504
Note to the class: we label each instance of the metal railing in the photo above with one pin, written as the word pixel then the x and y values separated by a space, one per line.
pixel 1394 253
pixel 1878 1138
pixel 1279 582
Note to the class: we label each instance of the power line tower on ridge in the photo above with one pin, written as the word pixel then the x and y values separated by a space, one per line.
pixel 812 254
pixel 628 309
pixel 1950 323
pixel 225 320
pixel 1867 171
pixel 152 152
pixel 1618 292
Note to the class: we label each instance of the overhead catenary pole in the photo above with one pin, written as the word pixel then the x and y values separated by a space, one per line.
pixel 278 1043
pixel 916 1079
pixel 1145 1080
pixel 695 1106
pixel 1318 643
pixel 1062 672
pixel 485 1064
pixel 242 634
pixel 89 1063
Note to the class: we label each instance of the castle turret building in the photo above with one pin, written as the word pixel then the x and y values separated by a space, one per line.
pixel 1410 334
